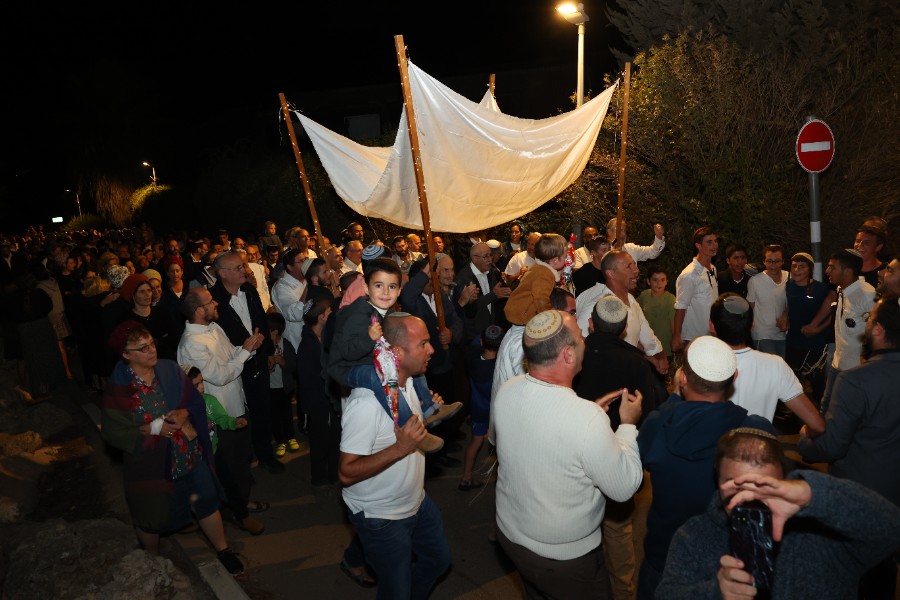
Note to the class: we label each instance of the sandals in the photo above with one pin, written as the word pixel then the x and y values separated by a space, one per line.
pixel 362 580
pixel 469 484
pixel 257 506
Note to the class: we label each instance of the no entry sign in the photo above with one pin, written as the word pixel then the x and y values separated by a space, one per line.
pixel 815 146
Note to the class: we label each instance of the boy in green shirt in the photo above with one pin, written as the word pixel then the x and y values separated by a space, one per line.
pixel 659 308
pixel 215 412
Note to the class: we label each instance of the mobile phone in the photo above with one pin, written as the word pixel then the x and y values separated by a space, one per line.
pixel 751 541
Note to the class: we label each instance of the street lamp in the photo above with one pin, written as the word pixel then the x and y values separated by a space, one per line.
pixel 77 201
pixel 574 14
pixel 152 171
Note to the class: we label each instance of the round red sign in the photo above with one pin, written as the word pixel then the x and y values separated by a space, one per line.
pixel 815 146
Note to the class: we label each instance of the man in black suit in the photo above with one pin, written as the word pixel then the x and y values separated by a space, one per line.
pixel 487 307
pixel 241 313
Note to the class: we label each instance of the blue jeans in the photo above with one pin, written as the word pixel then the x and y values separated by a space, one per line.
pixel 366 377
pixel 389 546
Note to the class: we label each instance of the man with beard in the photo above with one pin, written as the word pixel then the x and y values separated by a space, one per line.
pixel 861 440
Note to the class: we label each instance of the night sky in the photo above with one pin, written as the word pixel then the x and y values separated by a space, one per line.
pixel 223 57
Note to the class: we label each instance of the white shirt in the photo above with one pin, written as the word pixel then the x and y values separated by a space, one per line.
pixel 482 283
pixel 695 291
pixel 854 301
pixel 239 303
pixel 639 253
pixel 349 266
pixel 220 362
pixel 259 272
pixel 519 260
pixel 763 379
pixel 582 255
pixel 558 458
pixel 638 332
pixel 769 302
pixel 397 492
pixel 510 362
pixel 286 295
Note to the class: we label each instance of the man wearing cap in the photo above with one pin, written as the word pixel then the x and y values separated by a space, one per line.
pixel 767 298
pixel 353 251
pixel 766 379
pixel 860 441
pixel 621 274
pixel 558 461
pixel 241 314
pixel 696 288
pixel 869 242
pixel 678 443
pixel 611 363
pixel 855 299
pixel 497 258
pixel 289 295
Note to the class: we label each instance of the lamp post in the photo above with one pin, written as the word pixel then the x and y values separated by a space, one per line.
pixel 152 172
pixel 574 14
pixel 77 201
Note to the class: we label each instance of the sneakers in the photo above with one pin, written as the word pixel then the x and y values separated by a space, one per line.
pixel 293 445
pixel 431 443
pixel 230 561
pixel 444 412
pixel 250 525
pixel 280 450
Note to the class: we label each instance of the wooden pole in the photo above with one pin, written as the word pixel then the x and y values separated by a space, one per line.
pixel 619 211
pixel 303 179
pixel 420 176
pixel 492 83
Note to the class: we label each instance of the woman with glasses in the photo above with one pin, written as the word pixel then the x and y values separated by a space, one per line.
pixel 152 413
pixel 810 316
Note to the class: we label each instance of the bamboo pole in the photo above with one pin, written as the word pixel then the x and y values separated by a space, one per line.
pixel 303 179
pixel 619 211
pixel 420 176
pixel 492 83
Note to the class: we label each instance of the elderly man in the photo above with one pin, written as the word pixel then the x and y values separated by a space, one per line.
pixel 550 525
pixel 616 237
pixel 486 308
pixel 861 441
pixel 353 252
pixel 621 274
pixel 241 313
pixel 384 475
pixel 205 345
pixel 289 294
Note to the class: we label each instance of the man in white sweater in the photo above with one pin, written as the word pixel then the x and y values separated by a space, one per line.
pixel 557 459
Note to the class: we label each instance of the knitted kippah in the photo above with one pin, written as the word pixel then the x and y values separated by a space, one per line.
pixel 186 368
pixel 117 274
pixel 493 333
pixel 804 255
pixel 152 274
pixel 736 305
pixel 544 325
pixel 753 431
pixel 854 252
pixel 711 358
pixel 610 309
pixel 372 251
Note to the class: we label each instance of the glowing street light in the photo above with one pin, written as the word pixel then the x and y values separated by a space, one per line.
pixel 152 171
pixel 574 14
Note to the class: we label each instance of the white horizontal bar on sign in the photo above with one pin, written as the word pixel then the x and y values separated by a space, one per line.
pixel 815 147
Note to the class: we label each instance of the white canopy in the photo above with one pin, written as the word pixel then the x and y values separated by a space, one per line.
pixel 481 167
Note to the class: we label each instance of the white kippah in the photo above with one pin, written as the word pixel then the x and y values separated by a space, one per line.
pixel 610 309
pixel 544 324
pixel 711 358
pixel 493 244
pixel 305 266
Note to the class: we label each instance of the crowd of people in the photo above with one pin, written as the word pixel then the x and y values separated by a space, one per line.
pixel 201 347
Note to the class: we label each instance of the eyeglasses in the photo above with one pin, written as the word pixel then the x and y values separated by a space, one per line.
pixel 208 303
pixel 143 349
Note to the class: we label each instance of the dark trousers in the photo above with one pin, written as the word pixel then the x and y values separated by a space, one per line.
pixel 256 389
pixel 233 456
pixel 324 442
pixel 282 417
pixel 545 578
